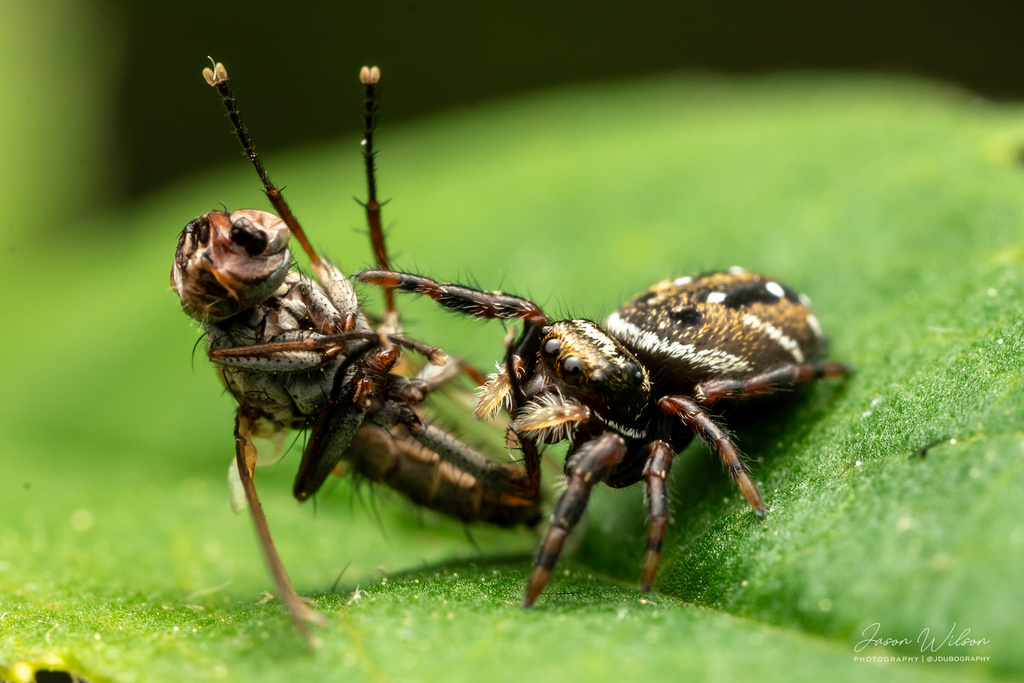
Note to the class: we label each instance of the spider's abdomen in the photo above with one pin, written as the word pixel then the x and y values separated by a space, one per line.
pixel 717 325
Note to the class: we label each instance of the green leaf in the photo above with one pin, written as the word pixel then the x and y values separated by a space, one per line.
pixel 896 206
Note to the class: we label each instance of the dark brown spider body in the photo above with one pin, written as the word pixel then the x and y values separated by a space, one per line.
pixel 731 325
pixel 630 394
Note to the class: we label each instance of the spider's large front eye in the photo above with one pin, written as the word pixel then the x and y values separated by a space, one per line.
pixel 551 348
pixel 248 236
pixel 572 370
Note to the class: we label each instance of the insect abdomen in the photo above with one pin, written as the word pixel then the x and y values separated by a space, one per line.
pixel 421 476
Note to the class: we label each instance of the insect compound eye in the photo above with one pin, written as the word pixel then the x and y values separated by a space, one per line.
pixel 248 236
pixel 201 226
pixel 551 348
pixel 572 370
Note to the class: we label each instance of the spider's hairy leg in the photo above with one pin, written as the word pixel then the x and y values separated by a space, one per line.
pixel 466 300
pixel 659 462
pixel 496 392
pixel 245 460
pixel 589 465
pixel 700 422
pixel 551 419
pixel 788 376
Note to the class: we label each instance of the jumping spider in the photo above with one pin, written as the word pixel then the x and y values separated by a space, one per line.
pixel 630 394
pixel 297 352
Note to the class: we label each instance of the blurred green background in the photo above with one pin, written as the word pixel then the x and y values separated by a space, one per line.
pixel 101 103
pixel 576 157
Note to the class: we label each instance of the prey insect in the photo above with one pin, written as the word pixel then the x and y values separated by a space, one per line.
pixel 630 394
pixel 297 353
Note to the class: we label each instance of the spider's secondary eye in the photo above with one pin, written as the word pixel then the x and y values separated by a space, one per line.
pixel 245 234
pixel 572 370
pixel 551 348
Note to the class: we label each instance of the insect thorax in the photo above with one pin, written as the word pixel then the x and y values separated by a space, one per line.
pixel 297 386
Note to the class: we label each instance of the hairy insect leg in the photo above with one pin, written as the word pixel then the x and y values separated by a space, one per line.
pixel 245 460
pixel 700 422
pixel 370 78
pixel 305 350
pixel 218 78
pixel 711 390
pixel 589 465
pixel 659 463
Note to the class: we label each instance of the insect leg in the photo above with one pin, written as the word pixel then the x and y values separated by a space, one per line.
pixel 337 286
pixel 245 460
pixel 700 422
pixel 589 465
pixel 370 77
pixel 659 462
pixel 711 390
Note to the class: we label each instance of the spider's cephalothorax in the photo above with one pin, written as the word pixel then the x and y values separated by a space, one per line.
pixel 630 394
pixel 583 377
pixel 297 352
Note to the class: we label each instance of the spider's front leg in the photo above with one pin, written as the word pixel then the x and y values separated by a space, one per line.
pixel 458 298
pixel 245 460
pixel 586 467
pixel 694 417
